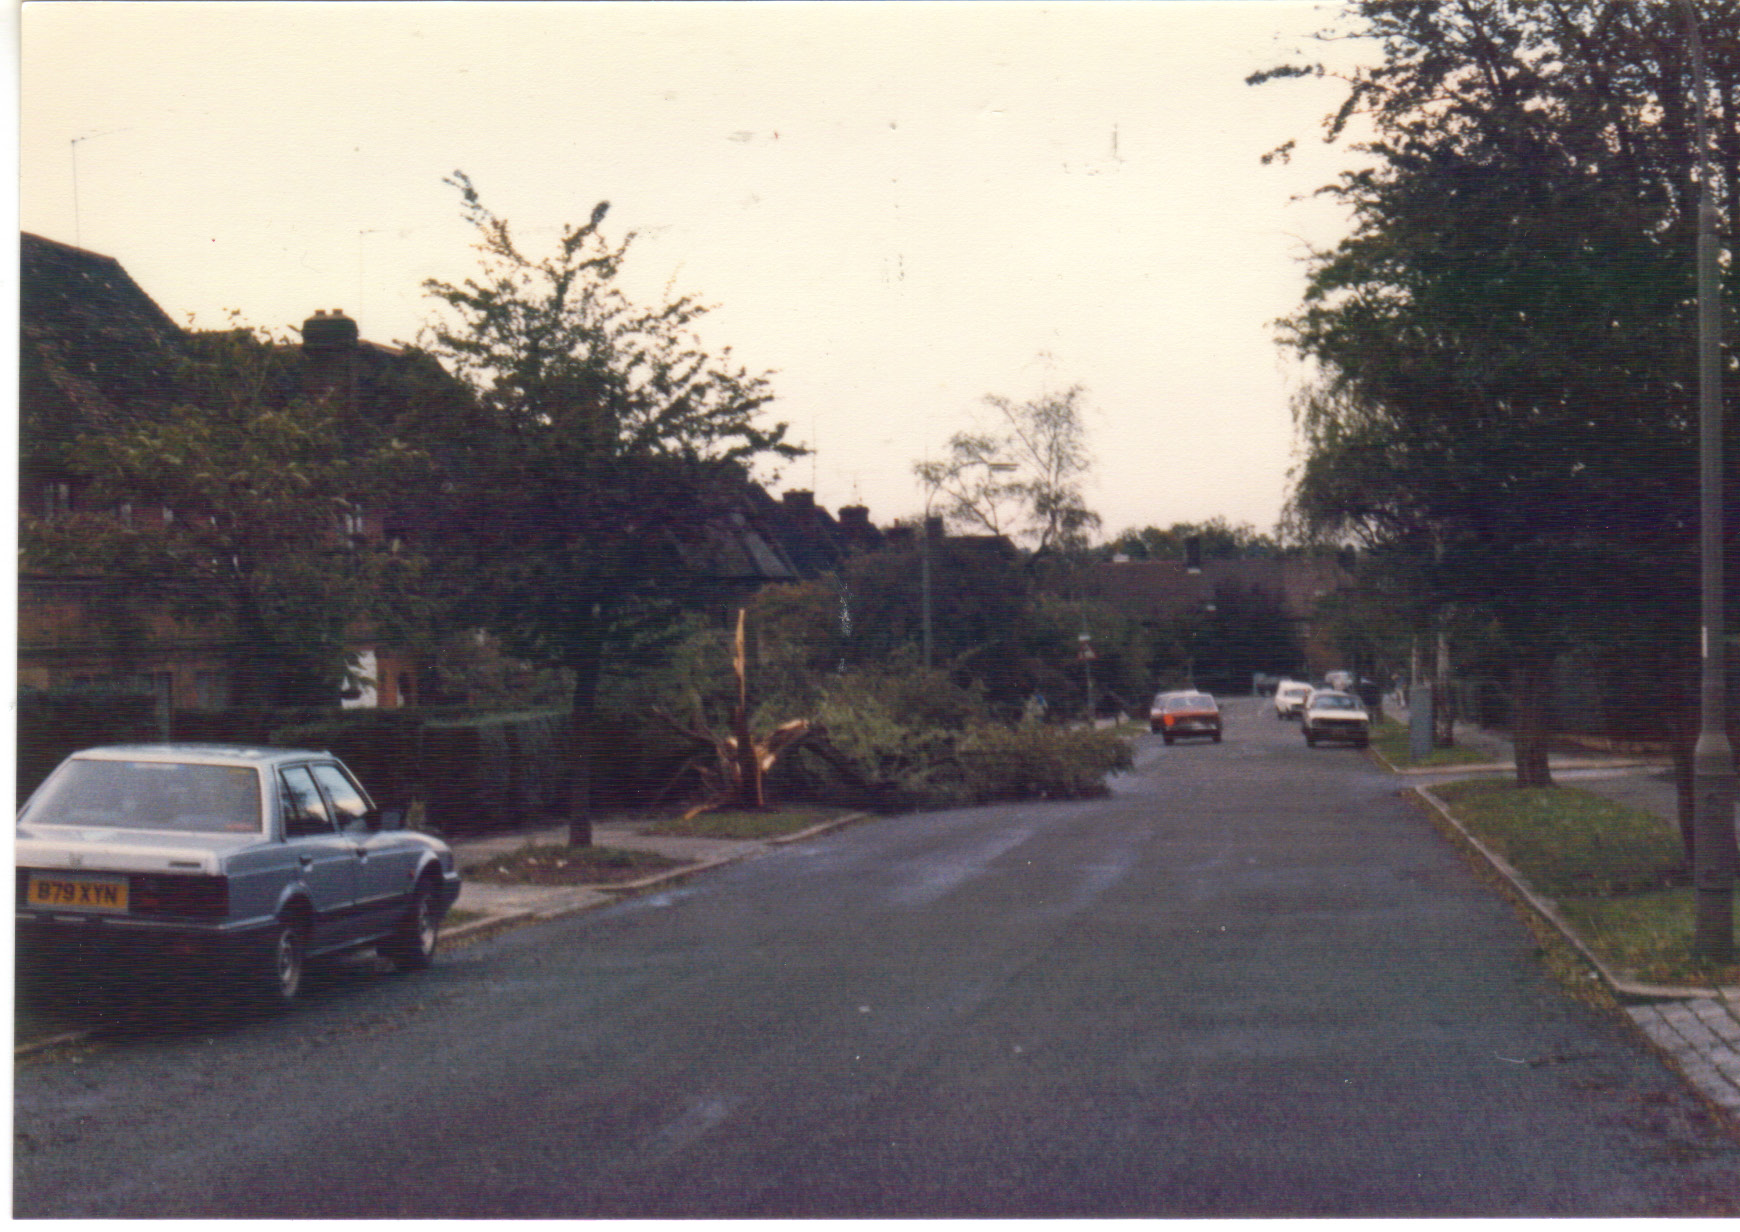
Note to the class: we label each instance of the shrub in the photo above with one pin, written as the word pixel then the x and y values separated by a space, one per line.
pixel 1031 761
pixel 910 739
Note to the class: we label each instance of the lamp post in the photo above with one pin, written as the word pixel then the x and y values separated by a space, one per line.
pixel 1085 652
pixel 924 553
pixel 1713 780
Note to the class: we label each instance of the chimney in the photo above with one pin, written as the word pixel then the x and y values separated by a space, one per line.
pixel 933 529
pixel 855 516
pixel 799 501
pixel 329 347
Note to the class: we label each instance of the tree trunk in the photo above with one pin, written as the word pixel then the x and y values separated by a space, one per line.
pixel 586 664
pixel 1531 683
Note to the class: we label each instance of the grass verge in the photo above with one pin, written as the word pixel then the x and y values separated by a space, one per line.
pixel 1395 743
pixel 1617 875
pixel 557 864
pixel 742 823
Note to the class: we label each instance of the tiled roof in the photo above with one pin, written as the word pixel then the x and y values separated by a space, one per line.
pixel 94 349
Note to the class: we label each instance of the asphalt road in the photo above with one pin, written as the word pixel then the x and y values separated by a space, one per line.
pixel 1253 982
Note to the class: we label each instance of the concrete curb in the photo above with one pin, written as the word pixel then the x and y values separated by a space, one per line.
pixel 627 888
pixel 1621 987
pixel 615 891
pixel 30 1047
pixel 1509 767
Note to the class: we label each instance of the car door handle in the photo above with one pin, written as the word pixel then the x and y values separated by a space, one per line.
pixel 305 861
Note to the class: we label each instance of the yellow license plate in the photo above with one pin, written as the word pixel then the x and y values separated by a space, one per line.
pixel 78 893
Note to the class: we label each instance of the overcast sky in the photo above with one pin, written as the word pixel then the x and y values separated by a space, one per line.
pixel 898 207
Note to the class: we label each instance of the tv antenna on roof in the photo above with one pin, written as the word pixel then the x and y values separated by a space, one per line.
pixel 78 239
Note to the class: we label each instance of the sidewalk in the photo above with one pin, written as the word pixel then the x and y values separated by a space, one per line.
pixel 1697 1029
pixel 499 905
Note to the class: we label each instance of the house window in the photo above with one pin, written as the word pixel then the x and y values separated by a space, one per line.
pixel 354 525
pixel 56 499
pixel 124 514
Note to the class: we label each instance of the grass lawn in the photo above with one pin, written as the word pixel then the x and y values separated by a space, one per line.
pixel 1618 875
pixel 1393 740
pixel 742 823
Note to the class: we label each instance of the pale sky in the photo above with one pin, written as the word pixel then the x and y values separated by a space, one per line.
pixel 897 207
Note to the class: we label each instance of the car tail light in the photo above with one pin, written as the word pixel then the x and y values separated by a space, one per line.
pixel 158 894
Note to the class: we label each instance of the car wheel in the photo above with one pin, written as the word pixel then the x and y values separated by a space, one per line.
pixel 1310 741
pixel 280 981
pixel 1217 737
pixel 1154 727
pixel 412 946
pixel 1169 737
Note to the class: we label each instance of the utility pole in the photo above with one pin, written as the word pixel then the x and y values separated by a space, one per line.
pixel 1713 780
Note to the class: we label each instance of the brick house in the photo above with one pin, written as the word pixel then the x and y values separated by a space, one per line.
pixel 96 353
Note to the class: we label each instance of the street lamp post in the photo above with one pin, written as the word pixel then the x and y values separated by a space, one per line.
pixel 1713 780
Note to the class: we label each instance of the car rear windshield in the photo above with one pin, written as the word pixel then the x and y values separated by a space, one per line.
pixel 149 795
pixel 1190 701
pixel 1334 701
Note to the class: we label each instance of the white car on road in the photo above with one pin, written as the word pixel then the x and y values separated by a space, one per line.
pixel 1290 698
pixel 1333 715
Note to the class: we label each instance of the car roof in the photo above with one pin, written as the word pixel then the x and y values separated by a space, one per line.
pixel 204 754
pixel 1317 693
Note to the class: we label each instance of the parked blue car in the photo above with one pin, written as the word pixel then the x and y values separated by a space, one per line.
pixel 246 861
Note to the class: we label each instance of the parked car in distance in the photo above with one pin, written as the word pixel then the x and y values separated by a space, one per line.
pixel 1290 698
pixel 226 859
pixel 1333 715
pixel 1185 712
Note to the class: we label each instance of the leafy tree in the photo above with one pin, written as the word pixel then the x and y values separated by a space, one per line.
pixel 586 487
pixel 1023 476
pixel 1504 340
pixel 1218 539
pixel 237 500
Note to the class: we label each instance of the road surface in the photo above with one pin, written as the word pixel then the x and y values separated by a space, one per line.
pixel 1254 981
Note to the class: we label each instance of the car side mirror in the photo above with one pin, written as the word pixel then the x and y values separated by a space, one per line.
pixel 389 818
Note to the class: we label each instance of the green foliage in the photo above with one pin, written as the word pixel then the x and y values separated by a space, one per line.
pixel 890 734
pixel 602 445
pixel 1219 539
pixel 905 739
pixel 239 499
pixel 1039 762
pixel 585 486
pixel 1505 339
pixel 556 351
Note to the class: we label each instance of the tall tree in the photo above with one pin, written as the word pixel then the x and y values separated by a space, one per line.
pixel 588 489
pixel 1022 476
pixel 1504 340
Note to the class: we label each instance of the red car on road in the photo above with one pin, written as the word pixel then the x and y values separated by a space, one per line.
pixel 1185 712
